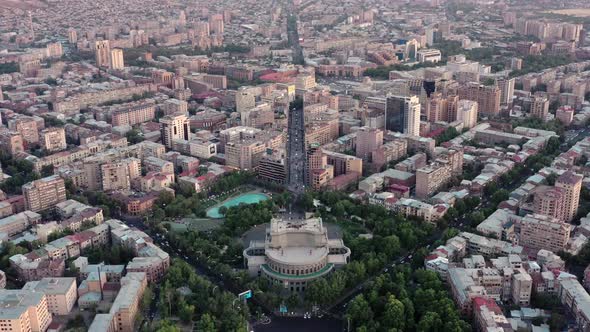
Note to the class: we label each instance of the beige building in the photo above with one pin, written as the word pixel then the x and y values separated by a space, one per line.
pixel 245 99
pixel 244 155
pixel 115 176
pixel 19 222
pixel 122 315
pixel 522 285
pixel 506 90
pixel 571 184
pixel 134 115
pixel 102 52
pixel 175 107
pixel 543 232
pixel 367 141
pixel 174 127
pixel 43 194
pixel 432 178
pixel 24 311
pixel 549 201
pixel 539 107
pixel 53 139
pixel 116 59
pixel 487 97
pixel 11 142
pixel 27 127
pixel 467 113
pixel 60 293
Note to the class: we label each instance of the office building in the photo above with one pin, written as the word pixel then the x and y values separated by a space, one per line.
pixel 116 59
pixel 43 194
pixel 53 139
pixel 429 55
pixel 272 167
pixel 402 115
pixel 571 183
pixel 245 154
pixel 102 53
pixel 174 127
pixel 467 113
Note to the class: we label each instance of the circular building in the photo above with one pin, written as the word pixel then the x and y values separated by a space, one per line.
pixel 295 252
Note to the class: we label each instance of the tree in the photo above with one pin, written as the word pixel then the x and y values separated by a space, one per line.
pixel 359 311
pixel 431 321
pixel 186 311
pixel 557 322
pixel 47 170
pixel 223 210
pixel 500 196
pixel 476 218
pixel 393 316
pixel 206 323
pixel 134 136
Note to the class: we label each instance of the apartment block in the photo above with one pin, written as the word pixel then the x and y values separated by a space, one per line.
pixel 24 310
pixel 543 232
pixel 43 194
pixel 487 97
pixel 432 178
pixel 571 183
pixel 133 115
pixel 53 139
pixel 60 293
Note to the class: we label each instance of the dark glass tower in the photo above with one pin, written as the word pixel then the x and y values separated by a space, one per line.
pixel 296 155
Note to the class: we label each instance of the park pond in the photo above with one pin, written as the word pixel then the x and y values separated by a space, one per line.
pixel 249 198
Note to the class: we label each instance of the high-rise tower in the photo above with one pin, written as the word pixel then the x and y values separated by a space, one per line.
pixel 296 155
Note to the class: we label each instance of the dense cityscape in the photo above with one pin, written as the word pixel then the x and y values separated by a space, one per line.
pixel 295 165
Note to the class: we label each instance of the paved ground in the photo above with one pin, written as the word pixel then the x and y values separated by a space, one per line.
pixel 257 233
pixel 280 324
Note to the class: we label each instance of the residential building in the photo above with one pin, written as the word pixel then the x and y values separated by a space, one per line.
pixel 102 53
pixel 53 139
pixel 367 141
pixel 467 113
pixel 24 310
pixel 432 178
pixel 539 107
pixel 549 201
pixel 60 293
pixel 487 97
pixel 174 127
pixel 116 59
pixel 571 183
pixel 43 194
pixel 543 232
